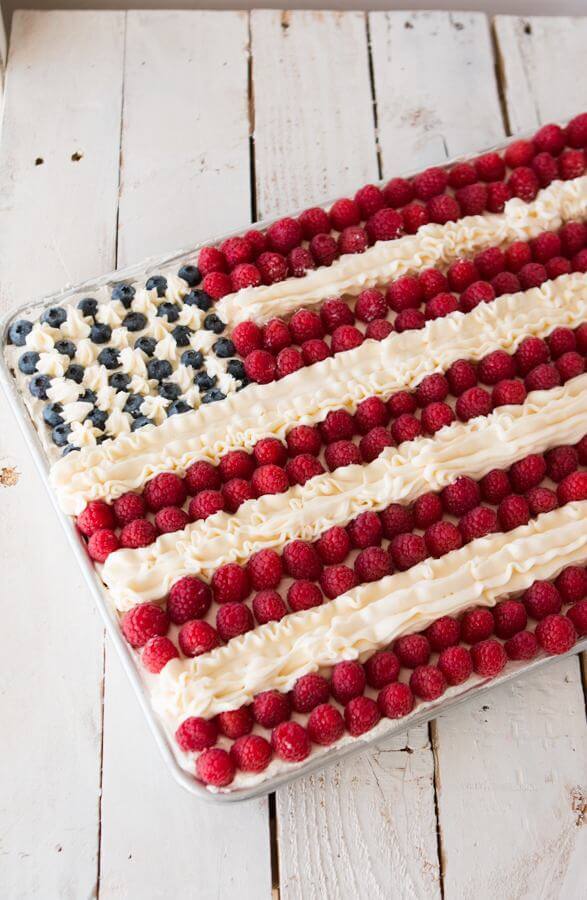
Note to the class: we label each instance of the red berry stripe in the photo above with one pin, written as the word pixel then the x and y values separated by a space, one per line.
pixel 292 247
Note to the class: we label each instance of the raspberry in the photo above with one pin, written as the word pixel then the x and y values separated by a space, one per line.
pixel 260 366
pixel 549 139
pixel 461 376
pixel 495 486
pixel 372 564
pixel 461 274
pixel 247 337
pixel 542 599
pixel 303 467
pixel 432 388
pixel 189 598
pixel 236 492
pixel 101 544
pixel 573 487
pixel 371 413
pixel 427 510
pixel 365 530
pixel 236 250
pixel 460 496
pixel 498 194
pixel 541 500
pixel 490 262
pixel 127 508
pixel 517 255
pixel 303 595
pixel 269 479
pixel 556 634
pixel 361 714
pixel 476 625
pixel 334 313
pixel 370 305
pixel 524 184
pixel 211 259
pixel 462 174
pixel 314 221
pixel 300 261
pixel 202 476
pixel 443 633
pixel 369 199
pixel 557 266
pixel 165 489
pixel 444 209
pixel 496 366
pixel 436 416
pixel 406 428
pixel 205 504
pixel 412 650
pixel 236 464
pixel 276 336
pixel 430 183
pixel 344 213
pixel 440 306
pixel 560 462
pixel 570 365
pixel 304 439
pixel 301 560
pixel 472 403
pixel 215 767
pixel 545 246
pixel 308 692
pixel 268 606
pixel 305 325
pixel 284 235
pixel 508 392
pixel 98 515
pixel 405 293
pixel 197 637
pixel 398 192
pixel 545 168
pixel 196 733
pixel 512 512
pixel 456 664
pixel 509 617
pixel 561 341
pixel 408 320
pixel 353 240
pixel 427 682
pixel 478 522
pixel 396 519
pixel 573 236
pixel 542 378
pixel 337 580
pixel 290 741
pixel 324 249
pixel 395 700
pixel 472 199
pixel 413 217
pixel 374 443
pixel 528 472
pixel 233 619
pixel 272 266
pixel 157 653
pixel 341 453
pixel 522 645
pixel 231 584
pixel 382 668
pixel 138 533
pixel 245 276
pixel 576 131
pixel 217 285
pixel 257 242
pixel 235 723
pixel 579 262
pixel 489 658
pixel 407 550
pixel 347 680
pixel 505 283
pixel 265 570
pixel 333 545
pixel 251 753
pixel 325 725
pixel 441 538
pixel 582 450
pixel 384 225
pixel 401 403
pixel 519 153
pixel 143 622
pixel 572 584
pixel 346 337
pixel 532 275
pixel 476 293
pixel 338 425
pixel 171 518
pixel 490 167
pixel 578 616
pixel 314 351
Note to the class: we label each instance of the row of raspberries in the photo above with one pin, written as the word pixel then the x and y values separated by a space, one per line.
pixel 294 246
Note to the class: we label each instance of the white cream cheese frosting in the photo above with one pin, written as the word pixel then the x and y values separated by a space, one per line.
pixel 373 369
pixel 371 616
pixel 546 419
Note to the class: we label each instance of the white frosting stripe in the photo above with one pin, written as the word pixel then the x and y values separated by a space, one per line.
pixel 546 419
pixel 433 245
pixel 379 369
pixel 373 615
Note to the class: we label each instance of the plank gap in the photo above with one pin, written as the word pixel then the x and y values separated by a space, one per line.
pixel 120 156
pixel 373 96
pixel 101 760
pixel 274 845
pixel 251 110
pixel 500 77
pixel 433 736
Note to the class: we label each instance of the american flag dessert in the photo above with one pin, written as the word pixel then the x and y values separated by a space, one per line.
pixel 334 470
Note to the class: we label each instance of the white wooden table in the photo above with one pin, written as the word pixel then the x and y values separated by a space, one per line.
pixel 127 134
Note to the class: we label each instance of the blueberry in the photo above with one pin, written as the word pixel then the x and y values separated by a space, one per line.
pixel 60 434
pixel 75 373
pixel 147 345
pixel 119 381
pixel 38 386
pixel 27 363
pixel 54 317
pixel 204 382
pixel 181 334
pixel 236 368
pixel 198 298
pixel 98 418
pixel 191 274
pixel 213 323
pixel 17 333
pixel 169 391
pixel 66 347
pixel 213 395
pixel 88 396
pixel 109 357
pixel 140 422
pixel 100 334
pixel 135 321
pixel 157 282
pixel 224 348
pixel 133 405
pixel 159 369
pixel 180 406
pixel 52 414
pixel 88 306
pixel 193 358
pixel 169 311
pixel 124 293
pixel 71 448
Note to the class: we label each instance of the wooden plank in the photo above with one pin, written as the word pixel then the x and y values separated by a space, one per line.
pixel 185 77
pixel 57 221
pixel 369 823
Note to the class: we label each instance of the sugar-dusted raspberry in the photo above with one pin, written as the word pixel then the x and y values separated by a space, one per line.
pixel 346 337
pixel 370 305
pixel 233 619
pixel 201 476
pixel 570 365
pixel 476 625
pixel 478 522
pixel 496 366
pixel 571 164
pixel 142 622
pixel 427 682
pixel 443 209
pixel 369 199
pixel 304 595
pixel 509 392
pixel 519 153
pixel 309 691
pixel 396 519
pixel 579 261
pixel 441 538
pixel 542 599
pixel 489 658
pixel 462 174
pixel 128 507
pixel 301 560
pixel 513 511
pixel 490 167
pixel 235 723
pixel 572 584
pixel 510 617
pixel 430 183
pixel 272 266
pixel 556 634
pixel 456 664
pixel 341 453
pixel 398 192
pixel 236 250
pixel 260 366
pixel 165 489
pixel 384 225
pixel 371 413
pixel 545 168
pixel 305 325
pixel 337 426
pixel 314 221
pixel 472 403
pixel 189 598
pixel 374 443
pixel 435 416
pixel 315 350
pixel 522 645
pixel 211 259
pixel 236 492
pixel 337 580
pixel 382 668
pixel 196 733
pixel 573 487
pixel 407 550
pixel 541 500
pixel 236 464
pixel 549 139
pixel 542 378
pixel 477 292
pixel 245 276
pixel 461 376
pixel 102 543
pixel 528 472
pixel 334 313
pixel 498 194
pixel 414 215
pixel 361 714
pixel 290 741
pixel 334 545
pixel 443 632
pixel 532 352
pixel 472 199
pixel 325 725
pixel 251 753
pixel 372 564
pixel 461 273
pixel 215 767
pixel 560 462
pixel 197 637
pixel 460 496
pixel 231 583
pixel 284 235
pixel 157 653
pixel 505 283
pixel 268 606
pixel 412 650
pixel 205 504
pixel 524 183
pixel 347 680
pixel 269 479
pixel 171 518
pixel 353 239
pixel 343 213
pixel 558 266
pixel 365 530
pixel 265 570
pixel 409 320
pixel 300 261
pixel 532 275
pixel 578 616
pixel 395 700
pixel 217 285
pixel 98 515
pixel 427 510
